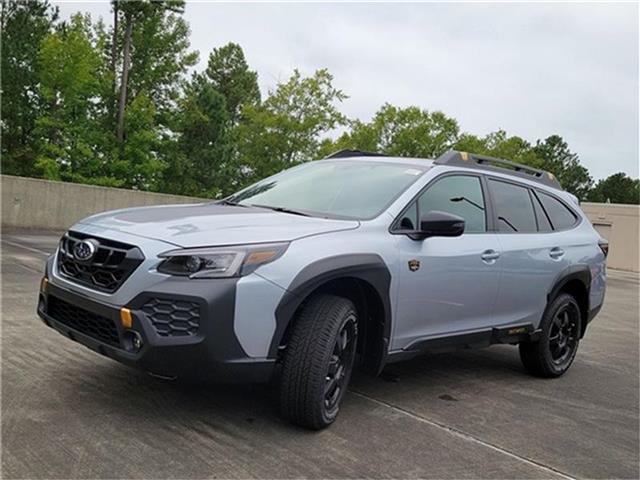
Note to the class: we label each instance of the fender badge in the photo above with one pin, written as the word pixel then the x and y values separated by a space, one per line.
pixel 414 265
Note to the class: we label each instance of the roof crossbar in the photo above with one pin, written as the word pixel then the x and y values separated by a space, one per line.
pixel 483 162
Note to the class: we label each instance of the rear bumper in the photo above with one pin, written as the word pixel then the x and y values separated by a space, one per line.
pixel 210 352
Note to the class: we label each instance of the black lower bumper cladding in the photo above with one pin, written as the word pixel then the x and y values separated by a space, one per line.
pixel 205 349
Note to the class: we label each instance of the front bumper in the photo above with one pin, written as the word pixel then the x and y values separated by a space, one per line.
pixel 209 352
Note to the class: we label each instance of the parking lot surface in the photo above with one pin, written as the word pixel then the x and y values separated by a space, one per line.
pixel 68 412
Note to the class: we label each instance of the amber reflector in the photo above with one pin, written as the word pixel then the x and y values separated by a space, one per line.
pixel 125 317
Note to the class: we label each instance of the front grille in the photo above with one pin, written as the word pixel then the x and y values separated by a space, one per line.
pixel 173 318
pixel 110 266
pixel 91 324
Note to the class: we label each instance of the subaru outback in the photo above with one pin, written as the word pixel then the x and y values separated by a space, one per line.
pixel 356 259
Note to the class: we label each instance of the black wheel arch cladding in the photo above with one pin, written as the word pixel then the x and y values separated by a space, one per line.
pixel 574 274
pixel 369 268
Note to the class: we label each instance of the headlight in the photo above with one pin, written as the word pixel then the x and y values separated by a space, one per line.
pixel 218 262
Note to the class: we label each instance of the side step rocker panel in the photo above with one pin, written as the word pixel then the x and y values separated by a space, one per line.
pixel 477 339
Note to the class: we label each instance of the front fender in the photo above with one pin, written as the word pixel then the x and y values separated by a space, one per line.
pixel 369 268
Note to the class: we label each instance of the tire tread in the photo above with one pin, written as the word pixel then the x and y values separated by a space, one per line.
pixel 308 348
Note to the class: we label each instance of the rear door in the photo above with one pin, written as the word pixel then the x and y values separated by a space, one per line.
pixel 533 253
pixel 446 286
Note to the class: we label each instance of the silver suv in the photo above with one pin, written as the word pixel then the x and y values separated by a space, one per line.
pixel 358 258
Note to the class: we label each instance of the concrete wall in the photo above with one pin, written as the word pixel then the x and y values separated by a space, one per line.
pixel 42 204
pixel 47 205
pixel 620 224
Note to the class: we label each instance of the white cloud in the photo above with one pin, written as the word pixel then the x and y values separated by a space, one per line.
pixel 531 69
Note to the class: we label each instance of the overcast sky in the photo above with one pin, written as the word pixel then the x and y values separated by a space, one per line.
pixel 530 69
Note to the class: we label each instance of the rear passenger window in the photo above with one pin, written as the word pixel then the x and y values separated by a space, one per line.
pixel 459 195
pixel 543 221
pixel 513 207
pixel 561 217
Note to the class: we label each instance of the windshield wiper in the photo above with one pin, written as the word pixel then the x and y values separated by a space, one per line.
pixel 281 209
pixel 229 202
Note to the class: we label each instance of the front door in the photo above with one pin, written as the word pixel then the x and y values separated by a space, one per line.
pixel 446 286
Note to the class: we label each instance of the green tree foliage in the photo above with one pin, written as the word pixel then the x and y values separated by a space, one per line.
pixel 287 128
pixel 201 160
pixel 555 157
pixel 149 48
pixel 415 132
pixel 229 73
pixel 24 24
pixel 200 163
pixel 160 54
pixel 411 132
pixel 68 138
pixel 150 58
pixel 141 163
pixel 617 188
pixel 500 145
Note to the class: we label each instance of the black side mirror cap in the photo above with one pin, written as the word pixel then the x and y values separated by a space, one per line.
pixel 440 224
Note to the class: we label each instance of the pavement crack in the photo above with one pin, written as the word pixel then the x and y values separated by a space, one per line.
pixel 464 435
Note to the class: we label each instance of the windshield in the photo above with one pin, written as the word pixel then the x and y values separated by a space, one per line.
pixel 341 188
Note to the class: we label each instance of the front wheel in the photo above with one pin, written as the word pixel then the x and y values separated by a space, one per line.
pixel 553 353
pixel 318 361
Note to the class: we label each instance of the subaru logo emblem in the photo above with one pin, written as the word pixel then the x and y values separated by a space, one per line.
pixel 85 250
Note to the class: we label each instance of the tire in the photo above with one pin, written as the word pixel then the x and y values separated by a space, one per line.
pixel 318 361
pixel 553 354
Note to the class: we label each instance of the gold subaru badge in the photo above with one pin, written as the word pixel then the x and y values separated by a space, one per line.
pixel 414 265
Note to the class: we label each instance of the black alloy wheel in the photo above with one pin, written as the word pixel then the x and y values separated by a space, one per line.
pixel 560 329
pixel 340 364
pixel 563 334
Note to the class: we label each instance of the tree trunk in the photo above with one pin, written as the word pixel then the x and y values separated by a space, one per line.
pixel 126 61
pixel 114 44
pixel 113 101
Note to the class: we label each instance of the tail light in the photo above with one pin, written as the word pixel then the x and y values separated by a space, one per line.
pixel 604 246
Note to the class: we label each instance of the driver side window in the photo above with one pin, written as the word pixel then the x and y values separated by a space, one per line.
pixel 459 195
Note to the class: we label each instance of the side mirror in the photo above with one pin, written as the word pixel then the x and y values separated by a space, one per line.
pixel 440 224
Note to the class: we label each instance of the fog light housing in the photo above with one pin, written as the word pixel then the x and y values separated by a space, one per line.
pixel 133 340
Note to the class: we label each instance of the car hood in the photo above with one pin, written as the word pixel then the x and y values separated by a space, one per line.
pixel 208 224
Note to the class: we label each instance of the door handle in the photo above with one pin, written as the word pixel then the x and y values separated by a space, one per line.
pixel 556 252
pixel 489 256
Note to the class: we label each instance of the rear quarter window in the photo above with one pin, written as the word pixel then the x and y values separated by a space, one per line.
pixel 559 214
pixel 544 224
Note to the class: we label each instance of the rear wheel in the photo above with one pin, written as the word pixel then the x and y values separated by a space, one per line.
pixel 553 353
pixel 318 361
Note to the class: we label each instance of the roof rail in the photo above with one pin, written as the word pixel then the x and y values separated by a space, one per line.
pixel 483 162
pixel 354 153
